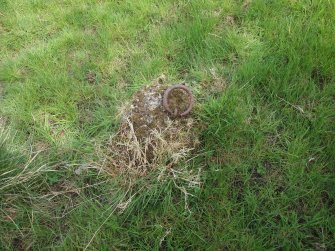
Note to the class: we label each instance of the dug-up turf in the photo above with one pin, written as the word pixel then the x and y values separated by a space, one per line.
pixel 149 138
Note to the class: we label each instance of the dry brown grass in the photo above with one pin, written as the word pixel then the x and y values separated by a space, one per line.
pixel 148 139
pixel 130 154
pixel 153 147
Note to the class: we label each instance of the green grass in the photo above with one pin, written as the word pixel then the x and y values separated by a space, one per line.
pixel 263 73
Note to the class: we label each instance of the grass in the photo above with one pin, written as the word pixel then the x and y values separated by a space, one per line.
pixel 263 73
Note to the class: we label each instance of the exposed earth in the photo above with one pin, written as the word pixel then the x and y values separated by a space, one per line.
pixel 149 136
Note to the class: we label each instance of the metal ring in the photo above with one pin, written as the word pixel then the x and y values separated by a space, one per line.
pixel 166 98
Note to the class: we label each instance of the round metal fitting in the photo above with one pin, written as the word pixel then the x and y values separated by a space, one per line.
pixel 166 100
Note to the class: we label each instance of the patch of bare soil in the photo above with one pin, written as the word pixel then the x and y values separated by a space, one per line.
pixel 149 137
pixel 91 77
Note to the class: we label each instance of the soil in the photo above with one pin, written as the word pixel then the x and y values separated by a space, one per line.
pixel 91 77
pixel 149 136
pixel 147 113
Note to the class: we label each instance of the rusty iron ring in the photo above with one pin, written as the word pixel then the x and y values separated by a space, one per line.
pixel 166 98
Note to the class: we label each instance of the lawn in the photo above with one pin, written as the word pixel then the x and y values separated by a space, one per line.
pixel 263 75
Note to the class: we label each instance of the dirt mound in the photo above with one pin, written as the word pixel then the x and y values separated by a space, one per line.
pixel 149 137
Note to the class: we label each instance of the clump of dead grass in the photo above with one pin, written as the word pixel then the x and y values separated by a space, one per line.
pixel 148 138
pixel 153 147
pixel 130 154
